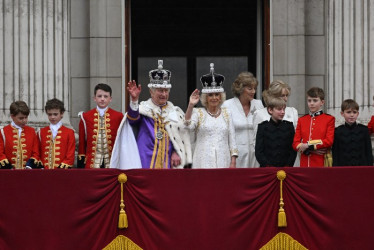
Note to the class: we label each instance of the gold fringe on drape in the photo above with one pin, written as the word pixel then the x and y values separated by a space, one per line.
pixel 283 241
pixel 122 243
pixel 328 159
pixel 282 221
pixel 122 220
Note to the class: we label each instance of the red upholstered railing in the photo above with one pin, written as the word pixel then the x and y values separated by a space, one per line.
pixel 326 208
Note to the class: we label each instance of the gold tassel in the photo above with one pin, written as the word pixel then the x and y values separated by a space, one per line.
pixel 282 221
pixel 122 220
pixel 328 159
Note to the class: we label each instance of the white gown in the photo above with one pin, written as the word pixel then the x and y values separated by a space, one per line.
pixel 244 132
pixel 290 115
pixel 215 139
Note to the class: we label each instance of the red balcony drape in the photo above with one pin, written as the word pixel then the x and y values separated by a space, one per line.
pixel 326 208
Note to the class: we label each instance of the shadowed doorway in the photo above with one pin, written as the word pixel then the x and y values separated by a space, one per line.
pixel 188 36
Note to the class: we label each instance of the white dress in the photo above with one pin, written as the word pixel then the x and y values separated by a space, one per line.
pixel 215 139
pixel 290 115
pixel 244 131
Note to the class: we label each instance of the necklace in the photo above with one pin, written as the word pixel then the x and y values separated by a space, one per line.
pixel 214 115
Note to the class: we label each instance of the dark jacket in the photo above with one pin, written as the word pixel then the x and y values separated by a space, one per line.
pixel 274 144
pixel 352 146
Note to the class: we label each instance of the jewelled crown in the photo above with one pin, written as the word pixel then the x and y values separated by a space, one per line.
pixel 159 78
pixel 212 82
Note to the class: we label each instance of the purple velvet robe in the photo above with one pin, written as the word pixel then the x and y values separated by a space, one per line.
pixel 151 150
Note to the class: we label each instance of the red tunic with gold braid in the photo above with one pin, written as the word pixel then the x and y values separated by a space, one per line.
pixel 57 152
pixel 319 127
pixel 17 150
pixel 371 125
pixel 89 132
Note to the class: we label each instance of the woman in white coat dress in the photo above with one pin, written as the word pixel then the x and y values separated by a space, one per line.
pixel 215 135
pixel 242 108
pixel 276 89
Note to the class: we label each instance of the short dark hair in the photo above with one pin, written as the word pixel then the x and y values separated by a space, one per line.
pixel 104 87
pixel 19 107
pixel 54 104
pixel 316 92
pixel 349 104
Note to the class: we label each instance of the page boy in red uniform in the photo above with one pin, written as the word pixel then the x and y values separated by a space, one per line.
pixel 57 142
pixel 98 130
pixel 371 123
pixel 314 133
pixel 19 147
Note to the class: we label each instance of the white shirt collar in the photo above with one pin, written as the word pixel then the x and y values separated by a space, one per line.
pixel 55 127
pixel 17 127
pixel 101 111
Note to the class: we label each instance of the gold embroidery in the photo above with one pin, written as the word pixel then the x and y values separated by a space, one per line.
pixel 155 143
pixel 51 151
pixel 100 150
pixel 161 144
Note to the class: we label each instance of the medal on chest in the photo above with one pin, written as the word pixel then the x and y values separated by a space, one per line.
pixel 159 135
pixel 160 126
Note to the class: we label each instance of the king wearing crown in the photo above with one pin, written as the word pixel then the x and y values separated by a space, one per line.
pixel 162 140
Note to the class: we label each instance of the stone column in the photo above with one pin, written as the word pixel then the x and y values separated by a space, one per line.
pixel 33 56
pixel 288 45
pixel 350 60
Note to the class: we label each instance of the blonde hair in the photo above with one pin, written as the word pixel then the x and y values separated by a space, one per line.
pixel 204 102
pixel 244 79
pixel 275 90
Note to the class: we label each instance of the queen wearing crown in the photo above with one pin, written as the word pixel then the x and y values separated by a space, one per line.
pixel 215 145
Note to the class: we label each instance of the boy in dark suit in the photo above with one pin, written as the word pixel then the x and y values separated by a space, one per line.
pixel 274 138
pixel 352 143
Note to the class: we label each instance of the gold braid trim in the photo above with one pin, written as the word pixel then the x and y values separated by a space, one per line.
pixel 160 144
pixel 155 142
pixel 81 156
pixel 167 151
pixel 3 162
pixel 132 118
pixel 200 120
pixel 122 220
pixel 122 243
pixel 282 221
pixel 65 166
pixel 283 241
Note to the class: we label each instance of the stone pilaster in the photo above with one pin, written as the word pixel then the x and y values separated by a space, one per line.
pixel 33 56
pixel 350 60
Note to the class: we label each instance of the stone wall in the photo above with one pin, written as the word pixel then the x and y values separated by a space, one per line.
pixel 299 47
pixel 33 56
pixel 95 52
pixel 350 29
pixel 325 43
